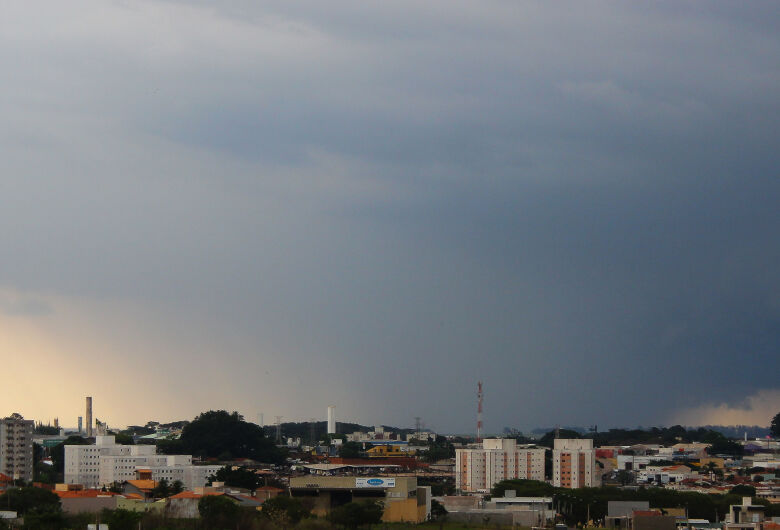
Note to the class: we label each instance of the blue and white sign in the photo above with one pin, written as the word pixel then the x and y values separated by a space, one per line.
pixel 374 482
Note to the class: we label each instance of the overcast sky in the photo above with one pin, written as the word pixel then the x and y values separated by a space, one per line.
pixel 276 206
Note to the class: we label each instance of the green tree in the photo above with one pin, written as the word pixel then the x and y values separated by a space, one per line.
pixel 774 427
pixel 523 487
pixel 218 511
pixel 350 450
pixel 549 439
pixel 440 486
pixel 284 510
pixel 711 467
pixel 720 445
pixel 138 430
pixel 42 472
pixel 120 519
pixel 238 478
pixel 58 452
pixel 438 511
pixel 743 490
pixel 46 429
pixel 218 432
pixel 124 439
pixel 354 514
pixel 161 490
pixel 177 487
pixel 24 500
pixel 44 520
pixel 169 447
pixel 625 477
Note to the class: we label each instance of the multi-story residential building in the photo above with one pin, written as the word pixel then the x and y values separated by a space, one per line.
pixel 478 469
pixel 107 462
pixel 574 464
pixel 16 447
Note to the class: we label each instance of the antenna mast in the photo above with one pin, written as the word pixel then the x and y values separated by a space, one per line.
pixel 479 411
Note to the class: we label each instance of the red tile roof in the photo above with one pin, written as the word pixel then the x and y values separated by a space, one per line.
pixel 80 494
pixel 143 485
pixel 193 495
pixel 133 496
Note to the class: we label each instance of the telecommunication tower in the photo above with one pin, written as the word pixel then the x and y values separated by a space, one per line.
pixel 479 411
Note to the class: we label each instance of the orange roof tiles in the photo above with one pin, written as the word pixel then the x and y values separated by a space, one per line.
pixel 81 494
pixel 193 495
pixel 133 496
pixel 143 484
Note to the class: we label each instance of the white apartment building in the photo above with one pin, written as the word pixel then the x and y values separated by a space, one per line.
pixel 16 447
pixel 574 464
pixel 478 469
pixel 107 462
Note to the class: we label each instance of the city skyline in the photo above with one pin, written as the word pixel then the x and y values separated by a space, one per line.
pixel 268 207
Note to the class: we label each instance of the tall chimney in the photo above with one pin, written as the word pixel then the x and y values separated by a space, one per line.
pixel 89 416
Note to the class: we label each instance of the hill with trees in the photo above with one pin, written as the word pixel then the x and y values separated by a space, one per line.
pixel 226 436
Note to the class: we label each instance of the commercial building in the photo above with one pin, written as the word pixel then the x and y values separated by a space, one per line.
pixel 107 462
pixel 574 464
pixel 745 516
pixel 478 469
pixel 620 514
pixel 403 500
pixel 16 447
pixel 665 474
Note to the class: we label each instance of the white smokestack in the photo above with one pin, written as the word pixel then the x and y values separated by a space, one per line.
pixel 332 419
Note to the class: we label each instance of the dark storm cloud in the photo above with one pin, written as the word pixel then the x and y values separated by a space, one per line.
pixel 571 202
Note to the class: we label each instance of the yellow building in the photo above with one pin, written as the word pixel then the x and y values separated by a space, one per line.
pixel 385 451
pixel 402 499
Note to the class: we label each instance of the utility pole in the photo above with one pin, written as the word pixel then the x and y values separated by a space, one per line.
pixel 312 425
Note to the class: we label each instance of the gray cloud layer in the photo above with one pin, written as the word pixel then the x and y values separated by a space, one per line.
pixel 378 204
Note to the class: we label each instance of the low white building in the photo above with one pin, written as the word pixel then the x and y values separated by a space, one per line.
pixel 665 474
pixel 107 462
pixel 636 462
pixel 510 502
